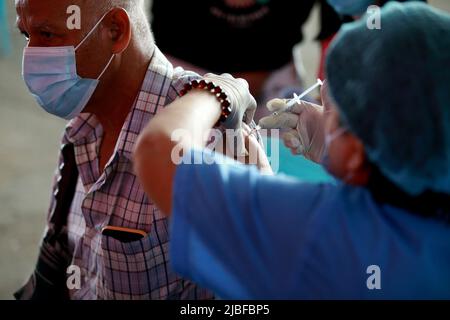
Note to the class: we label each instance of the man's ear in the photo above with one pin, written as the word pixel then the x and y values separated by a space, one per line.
pixel 119 30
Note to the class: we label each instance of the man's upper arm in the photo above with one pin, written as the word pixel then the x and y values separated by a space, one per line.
pixel 180 78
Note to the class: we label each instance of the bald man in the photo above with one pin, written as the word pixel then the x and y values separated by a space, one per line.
pixel 109 79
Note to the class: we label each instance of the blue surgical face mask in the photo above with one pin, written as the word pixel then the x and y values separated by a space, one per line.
pixel 329 138
pixel 350 7
pixel 51 76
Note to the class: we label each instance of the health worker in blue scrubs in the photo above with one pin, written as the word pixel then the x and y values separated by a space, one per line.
pixel 381 232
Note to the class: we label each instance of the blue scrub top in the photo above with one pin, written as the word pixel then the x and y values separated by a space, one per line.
pixel 248 236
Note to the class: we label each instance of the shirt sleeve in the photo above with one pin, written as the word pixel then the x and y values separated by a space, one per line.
pixel 237 232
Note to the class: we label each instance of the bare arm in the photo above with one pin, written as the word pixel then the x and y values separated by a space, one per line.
pixel 196 113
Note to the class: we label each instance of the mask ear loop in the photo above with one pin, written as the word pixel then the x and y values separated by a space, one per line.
pixel 338 132
pixel 92 30
pixel 107 65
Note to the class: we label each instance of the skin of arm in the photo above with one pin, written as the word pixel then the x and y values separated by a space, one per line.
pixel 196 112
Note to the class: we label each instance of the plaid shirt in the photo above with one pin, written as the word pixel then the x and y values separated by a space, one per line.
pixel 112 269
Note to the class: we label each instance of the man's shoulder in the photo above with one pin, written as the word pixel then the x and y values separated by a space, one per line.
pixel 181 77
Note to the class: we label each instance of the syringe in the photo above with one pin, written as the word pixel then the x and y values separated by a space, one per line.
pixel 292 102
pixel 296 98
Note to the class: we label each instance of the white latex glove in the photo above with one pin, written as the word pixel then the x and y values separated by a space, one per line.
pixel 243 105
pixel 304 124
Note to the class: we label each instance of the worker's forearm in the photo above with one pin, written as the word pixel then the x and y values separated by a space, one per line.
pixel 194 114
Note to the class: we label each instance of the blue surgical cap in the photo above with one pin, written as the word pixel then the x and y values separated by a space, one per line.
pixel 392 89
pixel 356 7
pixel 350 7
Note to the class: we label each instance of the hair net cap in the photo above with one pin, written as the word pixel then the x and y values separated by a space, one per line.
pixel 350 7
pixel 392 89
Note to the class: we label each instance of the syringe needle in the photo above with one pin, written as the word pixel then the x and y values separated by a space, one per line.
pixel 255 130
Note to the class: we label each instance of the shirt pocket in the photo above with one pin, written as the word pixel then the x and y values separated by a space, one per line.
pixel 140 269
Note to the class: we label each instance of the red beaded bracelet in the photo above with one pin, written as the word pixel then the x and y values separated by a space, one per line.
pixel 216 90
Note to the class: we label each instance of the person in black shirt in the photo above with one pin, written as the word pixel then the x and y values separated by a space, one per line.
pixel 249 38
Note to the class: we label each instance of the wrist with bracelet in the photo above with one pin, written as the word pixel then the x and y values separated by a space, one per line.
pixel 221 96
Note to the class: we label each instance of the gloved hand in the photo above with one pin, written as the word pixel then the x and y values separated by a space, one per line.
pixel 305 127
pixel 243 107
pixel 255 154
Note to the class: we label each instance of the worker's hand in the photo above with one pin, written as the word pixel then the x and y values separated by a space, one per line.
pixel 305 127
pixel 255 151
pixel 254 155
pixel 243 105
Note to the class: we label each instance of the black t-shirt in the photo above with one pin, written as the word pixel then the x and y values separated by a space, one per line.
pixel 230 35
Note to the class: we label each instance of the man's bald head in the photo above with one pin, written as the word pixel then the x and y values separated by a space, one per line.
pixel 48 14
pixel 136 11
